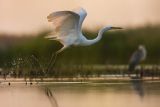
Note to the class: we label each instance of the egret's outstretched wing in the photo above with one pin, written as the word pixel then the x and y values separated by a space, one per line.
pixel 82 13
pixel 64 23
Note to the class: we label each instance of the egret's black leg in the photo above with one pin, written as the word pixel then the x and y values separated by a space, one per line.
pixel 52 61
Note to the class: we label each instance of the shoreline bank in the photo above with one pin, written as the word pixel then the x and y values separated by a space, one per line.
pixel 81 80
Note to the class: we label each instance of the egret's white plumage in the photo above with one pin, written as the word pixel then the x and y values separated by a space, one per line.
pixel 67 28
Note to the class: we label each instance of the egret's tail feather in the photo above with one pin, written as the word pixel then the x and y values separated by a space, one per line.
pixel 50 37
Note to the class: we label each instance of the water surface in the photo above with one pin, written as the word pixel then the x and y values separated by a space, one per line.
pixel 132 94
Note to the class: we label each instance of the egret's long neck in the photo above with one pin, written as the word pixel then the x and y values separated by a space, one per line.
pixel 100 33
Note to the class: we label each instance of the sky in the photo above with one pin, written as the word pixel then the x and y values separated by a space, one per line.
pixel 28 16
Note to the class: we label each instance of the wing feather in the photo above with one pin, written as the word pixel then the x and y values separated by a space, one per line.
pixel 64 22
pixel 66 26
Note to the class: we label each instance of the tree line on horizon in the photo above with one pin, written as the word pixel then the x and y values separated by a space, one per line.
pixel 116 47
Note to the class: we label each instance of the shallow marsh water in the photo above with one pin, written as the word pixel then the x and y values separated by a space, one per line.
pixel 129 94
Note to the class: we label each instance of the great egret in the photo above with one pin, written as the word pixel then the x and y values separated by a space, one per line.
pixel 138 56
pixel 67 29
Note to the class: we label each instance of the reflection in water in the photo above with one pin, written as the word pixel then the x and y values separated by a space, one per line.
pixel 51 98
pixel 81 95
pixel 138 86
pixel 107 94
pixel 26 96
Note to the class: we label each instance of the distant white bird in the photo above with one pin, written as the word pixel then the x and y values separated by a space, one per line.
pixel 138 56
pixel 67 28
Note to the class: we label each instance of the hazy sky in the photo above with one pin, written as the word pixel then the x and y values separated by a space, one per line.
pixel 27 16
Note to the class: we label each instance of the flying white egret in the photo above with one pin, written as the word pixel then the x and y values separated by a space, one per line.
pixel 138 56
pixel 67 29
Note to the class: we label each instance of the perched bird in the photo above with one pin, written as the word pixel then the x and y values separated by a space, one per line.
pixel 138 56
pixel 67 28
